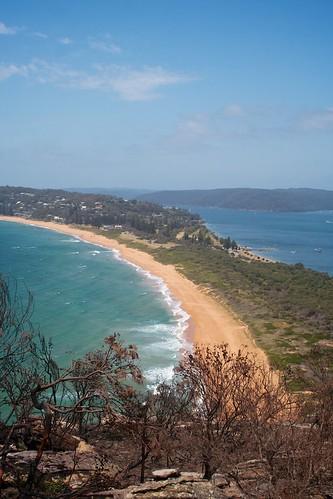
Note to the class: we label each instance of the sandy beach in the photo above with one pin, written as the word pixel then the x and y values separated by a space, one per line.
pixel 210 322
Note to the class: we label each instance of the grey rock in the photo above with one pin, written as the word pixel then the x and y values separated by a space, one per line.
pixel 166 473
pixel 173 488
pixel 220 480
pixel 59 462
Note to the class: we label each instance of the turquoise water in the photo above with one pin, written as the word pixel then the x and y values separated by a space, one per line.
pixel 83 293
pixel 286 237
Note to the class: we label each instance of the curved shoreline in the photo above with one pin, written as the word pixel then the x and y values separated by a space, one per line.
pixel 210 321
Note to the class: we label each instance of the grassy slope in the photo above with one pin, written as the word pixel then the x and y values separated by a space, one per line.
pixel 288 308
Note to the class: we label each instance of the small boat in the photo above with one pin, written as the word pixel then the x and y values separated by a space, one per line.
pixel 318 250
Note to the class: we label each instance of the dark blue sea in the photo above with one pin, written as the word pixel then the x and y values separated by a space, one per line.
pixel 287 237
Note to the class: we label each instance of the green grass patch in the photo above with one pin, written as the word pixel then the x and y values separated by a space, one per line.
pixel 285 306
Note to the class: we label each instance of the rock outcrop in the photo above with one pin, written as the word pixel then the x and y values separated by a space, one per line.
pixel 54 463
pixel 186 486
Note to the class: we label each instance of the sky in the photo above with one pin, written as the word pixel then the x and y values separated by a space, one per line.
pixel 166 94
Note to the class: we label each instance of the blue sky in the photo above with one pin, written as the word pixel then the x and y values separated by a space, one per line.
pixel 166 93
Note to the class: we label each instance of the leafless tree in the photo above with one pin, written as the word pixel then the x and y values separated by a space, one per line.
pixel 230 393
pixel 152 425
pixel 99 385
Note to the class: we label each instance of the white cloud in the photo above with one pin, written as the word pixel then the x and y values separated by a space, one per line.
pixel 6 30
pixel 233 122
pixel 65 40
pixel 38 34
pixel 129 84
pixel 9 70
pixel 194 127
pixel 104 46
pixel 140 84
pixel 319 120
pixel 229 123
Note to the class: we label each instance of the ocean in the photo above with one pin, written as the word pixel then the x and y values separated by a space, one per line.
pixel 83 293
pixel 286 237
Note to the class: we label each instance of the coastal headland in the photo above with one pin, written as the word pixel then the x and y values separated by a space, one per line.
pixel 210 321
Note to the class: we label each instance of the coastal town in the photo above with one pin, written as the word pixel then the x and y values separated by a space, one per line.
pixel 101 211
pixel 114 215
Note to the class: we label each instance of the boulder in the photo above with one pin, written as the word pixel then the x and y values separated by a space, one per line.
pixel 166 473
pixel 220 480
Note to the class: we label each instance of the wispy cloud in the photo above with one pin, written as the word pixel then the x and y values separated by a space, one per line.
pixel 38 34
pixel 141 84
pixel 9 70
pixel 65 40
pixel 318 120
pixel 230 121
pixel 197 127
pixel 234 122
pixel 6 30
pixel 104 44
pixel 128 83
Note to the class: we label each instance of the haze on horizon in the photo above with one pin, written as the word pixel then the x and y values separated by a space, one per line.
pixel 172 94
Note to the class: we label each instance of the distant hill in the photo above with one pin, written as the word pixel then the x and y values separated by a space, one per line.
pixel 247 199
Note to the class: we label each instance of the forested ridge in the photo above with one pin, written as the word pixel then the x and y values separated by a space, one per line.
pixel 97 210
pixel 247 199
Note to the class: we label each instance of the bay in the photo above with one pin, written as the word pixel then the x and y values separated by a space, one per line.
pixel 288 237
pixel 83 293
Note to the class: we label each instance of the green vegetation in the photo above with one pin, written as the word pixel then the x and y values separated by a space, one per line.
pixel 287 307
pixel 108 212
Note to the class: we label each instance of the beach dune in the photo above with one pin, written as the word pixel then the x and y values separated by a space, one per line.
pixel 210 321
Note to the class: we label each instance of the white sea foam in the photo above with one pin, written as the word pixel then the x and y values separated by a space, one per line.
pixel 174 339
pixel 162 337
pixel 168 337
pixel 181 316
pixel 157 375
pixel 174 305
pixel 178 312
